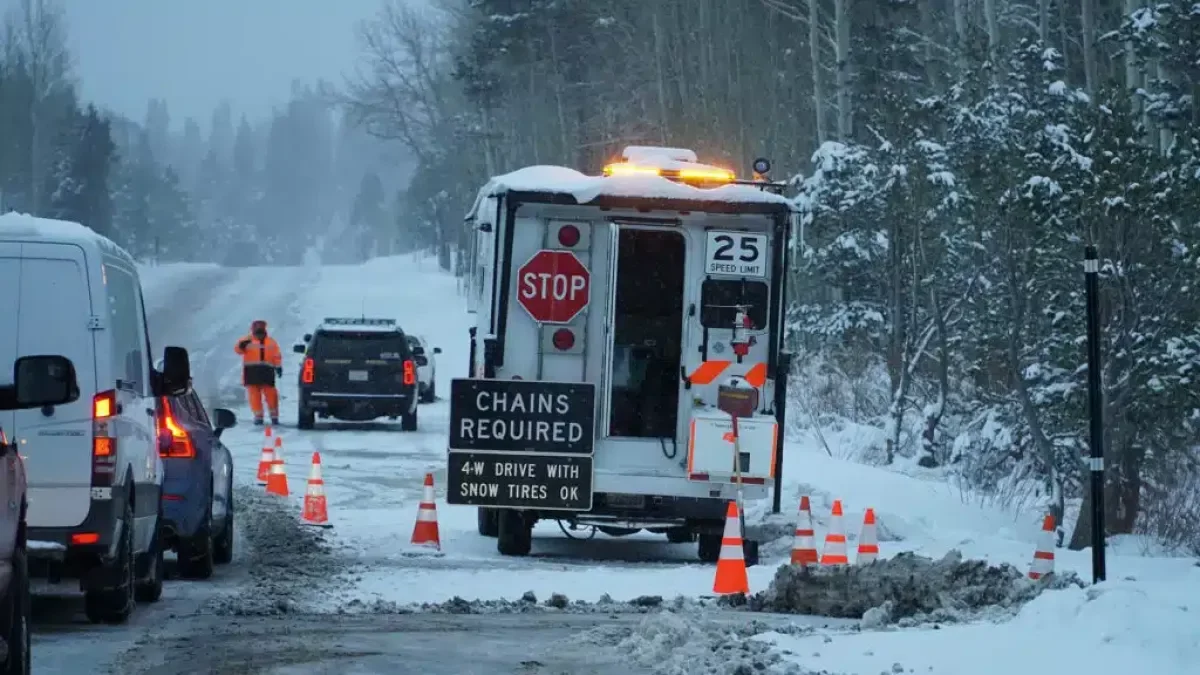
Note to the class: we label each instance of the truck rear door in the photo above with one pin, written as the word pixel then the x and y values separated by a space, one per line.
pixel 55 307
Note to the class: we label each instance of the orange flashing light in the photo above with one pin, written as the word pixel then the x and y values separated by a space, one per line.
pixel 704 175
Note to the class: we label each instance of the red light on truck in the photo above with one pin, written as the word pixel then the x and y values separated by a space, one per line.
pixel 563 339
pixel 568 235
pixel 307 375
pixel 410 374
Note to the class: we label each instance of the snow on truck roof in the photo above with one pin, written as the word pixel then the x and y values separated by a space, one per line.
pixel 585 189
pixel 23 226
pixel 358 325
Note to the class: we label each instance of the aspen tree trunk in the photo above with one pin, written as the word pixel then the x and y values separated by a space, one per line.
pixel 841 18
pixel 1087 38
pixel 814 50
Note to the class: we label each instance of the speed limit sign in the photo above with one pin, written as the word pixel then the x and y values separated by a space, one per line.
pixel 740 254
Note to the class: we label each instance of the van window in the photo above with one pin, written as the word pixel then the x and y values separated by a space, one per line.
pixel 719 299
pixel 128 344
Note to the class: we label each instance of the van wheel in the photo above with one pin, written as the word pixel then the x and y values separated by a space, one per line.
pixel 115 603
pixel 488 522
pixel 196 553
pixel 223 551
pixel 14 616
pixel 514 534
pixel 408 421
pixel 306 420
pixel 150 587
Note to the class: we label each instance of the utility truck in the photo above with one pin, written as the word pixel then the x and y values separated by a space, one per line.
pixel 610 312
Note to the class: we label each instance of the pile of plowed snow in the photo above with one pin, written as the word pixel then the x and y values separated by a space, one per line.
pixel 906 589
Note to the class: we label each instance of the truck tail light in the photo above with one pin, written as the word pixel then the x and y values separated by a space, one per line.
pixel 104 438
pixel 568 235
pixel 410 372
pixel 306 376
pixel 176 442
pixel 564 339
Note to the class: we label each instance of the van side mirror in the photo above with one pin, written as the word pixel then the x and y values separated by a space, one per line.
pixel 299 349
pixel 223 418
pixel 437 350
pixel 40 381
pixel 177 369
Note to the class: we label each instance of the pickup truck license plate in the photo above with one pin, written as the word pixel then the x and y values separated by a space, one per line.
pixel 358 376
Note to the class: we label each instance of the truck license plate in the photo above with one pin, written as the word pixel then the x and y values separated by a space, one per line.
pixel 358 376
pixel 625 501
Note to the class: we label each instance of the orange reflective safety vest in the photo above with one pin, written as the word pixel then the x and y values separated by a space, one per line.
pixel 260 358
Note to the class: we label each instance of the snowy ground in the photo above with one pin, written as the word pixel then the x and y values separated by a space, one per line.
pixel 300 599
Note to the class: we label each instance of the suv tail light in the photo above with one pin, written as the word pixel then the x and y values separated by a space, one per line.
pixel 306 376
pixel 177 442
pixel 104 438
pixel 410 372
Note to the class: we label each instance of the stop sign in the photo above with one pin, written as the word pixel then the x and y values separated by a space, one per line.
pixel 554 286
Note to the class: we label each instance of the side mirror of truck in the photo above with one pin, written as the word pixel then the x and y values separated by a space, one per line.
pixel 299 349
pixel 40 381
pixel 437 350
pixel 177 370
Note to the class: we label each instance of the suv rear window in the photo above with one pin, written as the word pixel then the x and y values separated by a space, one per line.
pixel 360 346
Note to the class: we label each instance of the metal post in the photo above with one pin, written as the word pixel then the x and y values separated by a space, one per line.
pixel 1091 275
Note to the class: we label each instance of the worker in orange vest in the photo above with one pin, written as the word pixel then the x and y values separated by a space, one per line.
pixel 261 363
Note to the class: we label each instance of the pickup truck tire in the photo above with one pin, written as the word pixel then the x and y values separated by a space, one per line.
pixel 489 525
pixel 14 617
pixel 708 547
pixel 115 604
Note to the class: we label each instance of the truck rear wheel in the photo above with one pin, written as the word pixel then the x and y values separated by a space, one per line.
pixel 514 535
pixel 488 522
pixel 708 547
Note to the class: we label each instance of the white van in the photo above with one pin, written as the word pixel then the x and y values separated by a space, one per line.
pixel 93 465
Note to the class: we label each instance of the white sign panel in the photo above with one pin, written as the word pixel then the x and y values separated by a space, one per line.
pixel 739 254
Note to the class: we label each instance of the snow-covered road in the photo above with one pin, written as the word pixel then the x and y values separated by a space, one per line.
pixel 357 598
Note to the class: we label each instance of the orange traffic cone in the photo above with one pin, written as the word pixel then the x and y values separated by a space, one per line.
pixel 868 541
pixel 1043 555
pixel 804 546
pixel 731 564
pixel 277 483
pixel 315 509
pixel 835 539
pixel 425 531
pixel 268 456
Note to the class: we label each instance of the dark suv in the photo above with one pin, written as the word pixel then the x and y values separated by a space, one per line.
pixel 357 370
pixel 38 382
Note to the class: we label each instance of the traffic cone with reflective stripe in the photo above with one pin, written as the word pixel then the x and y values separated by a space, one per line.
pixel 267 456
pixel 868 541
pixel 835 539
pixel 277 483
pixel 425 532
pixel 804 546
pixel 731 563
pixel 315 509
pixel 1043 555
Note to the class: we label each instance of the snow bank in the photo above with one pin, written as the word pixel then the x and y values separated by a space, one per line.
pixel 906 586
pixel 1115 628
pixel 561 180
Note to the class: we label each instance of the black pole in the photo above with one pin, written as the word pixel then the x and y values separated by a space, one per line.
pixel 1091 276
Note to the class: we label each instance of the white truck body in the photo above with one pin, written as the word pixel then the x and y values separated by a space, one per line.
pixel 672 268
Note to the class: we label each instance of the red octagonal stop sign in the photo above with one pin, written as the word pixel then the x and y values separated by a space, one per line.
pixel 554 286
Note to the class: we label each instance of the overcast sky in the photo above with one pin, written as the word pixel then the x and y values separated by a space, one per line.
pixel 192 53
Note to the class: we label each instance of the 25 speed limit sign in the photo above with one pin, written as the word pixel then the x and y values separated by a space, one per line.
pixel 740 254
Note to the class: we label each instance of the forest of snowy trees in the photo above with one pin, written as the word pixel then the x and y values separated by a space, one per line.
pixel 953 158
pixel 240 191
